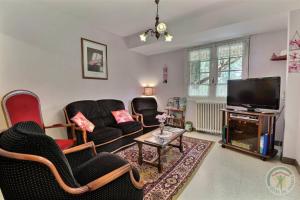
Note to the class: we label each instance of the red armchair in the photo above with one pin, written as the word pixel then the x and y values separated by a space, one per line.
pixel 23 105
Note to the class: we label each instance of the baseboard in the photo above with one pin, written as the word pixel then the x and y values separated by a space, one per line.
pixel 207 132
pixel 291 161
pixel 297 166
pixel 278 143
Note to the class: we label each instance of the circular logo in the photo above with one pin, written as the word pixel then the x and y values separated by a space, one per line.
pixel 280 180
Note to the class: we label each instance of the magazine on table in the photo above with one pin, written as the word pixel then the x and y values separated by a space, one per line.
pixel 173 129
pixel 169 133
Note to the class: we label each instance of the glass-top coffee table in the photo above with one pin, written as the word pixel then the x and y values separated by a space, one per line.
pixel 154 139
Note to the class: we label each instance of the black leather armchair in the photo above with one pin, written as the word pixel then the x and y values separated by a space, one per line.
pixel 145 110
pixel 33 167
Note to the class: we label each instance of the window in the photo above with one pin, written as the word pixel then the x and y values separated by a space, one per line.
pixel 199 72
pixel 210 68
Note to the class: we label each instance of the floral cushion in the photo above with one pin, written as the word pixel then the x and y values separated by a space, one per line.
pixel 83 122
pixel 122 116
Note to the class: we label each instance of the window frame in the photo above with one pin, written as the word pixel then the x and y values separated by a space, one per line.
pixel 214 67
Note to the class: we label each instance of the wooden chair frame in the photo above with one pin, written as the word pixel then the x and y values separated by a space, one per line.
pixel 18 92
pixel 140 118
pixel 91 186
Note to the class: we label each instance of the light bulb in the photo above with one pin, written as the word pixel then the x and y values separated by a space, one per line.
pixel 143 37
pixel 168 38
pixel 161 27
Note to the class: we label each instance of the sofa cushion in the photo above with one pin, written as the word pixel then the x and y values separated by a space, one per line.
pixel 129 127
pixel 106 106
pixel 149 121
pixel 104 134
pixel 88 108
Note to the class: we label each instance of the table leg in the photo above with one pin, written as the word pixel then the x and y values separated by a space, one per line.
pixel 180 144
pixel 159 166
pixel 140 159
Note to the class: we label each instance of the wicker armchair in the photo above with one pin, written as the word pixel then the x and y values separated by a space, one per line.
pixel 32 166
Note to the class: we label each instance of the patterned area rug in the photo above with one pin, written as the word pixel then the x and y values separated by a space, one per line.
pixel 177 167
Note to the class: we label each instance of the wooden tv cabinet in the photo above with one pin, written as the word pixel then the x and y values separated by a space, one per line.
pixel 244 130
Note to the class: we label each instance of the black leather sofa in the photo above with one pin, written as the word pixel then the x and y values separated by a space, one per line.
pixel 107 135
pixel 145 108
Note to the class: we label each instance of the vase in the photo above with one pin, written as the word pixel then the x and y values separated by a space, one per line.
pixel 161 126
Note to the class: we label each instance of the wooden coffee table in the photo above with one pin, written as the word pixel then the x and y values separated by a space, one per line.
pixel 152 140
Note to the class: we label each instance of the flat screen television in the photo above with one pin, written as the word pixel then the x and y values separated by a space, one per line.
pixel 254 93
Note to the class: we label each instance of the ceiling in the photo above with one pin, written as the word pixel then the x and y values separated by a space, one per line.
pixel 126 17
pixel 192 22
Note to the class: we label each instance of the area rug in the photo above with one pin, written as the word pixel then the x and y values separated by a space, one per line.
pixel 177 167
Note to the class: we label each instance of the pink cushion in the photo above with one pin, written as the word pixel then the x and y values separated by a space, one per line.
pixel 83 122
pixel 122 116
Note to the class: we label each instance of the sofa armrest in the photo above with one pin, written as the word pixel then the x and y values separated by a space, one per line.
pixel 109 167
pixel 83 132
pixel 113 175
pixel 89 145
pixel 59 126
pixel 69 125
pixel 80 154
pixel 136 117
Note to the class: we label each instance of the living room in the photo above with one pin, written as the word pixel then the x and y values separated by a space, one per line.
pixel 44 46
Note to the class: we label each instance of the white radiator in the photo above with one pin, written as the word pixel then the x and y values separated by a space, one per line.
pixel 209 117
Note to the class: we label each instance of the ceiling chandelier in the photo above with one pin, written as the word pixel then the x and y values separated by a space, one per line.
pixel 159 30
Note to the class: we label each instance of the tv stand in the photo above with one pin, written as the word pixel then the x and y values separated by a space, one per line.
pixel 244 131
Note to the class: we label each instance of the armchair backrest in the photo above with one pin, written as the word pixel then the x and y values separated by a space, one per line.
pixel 20 106
pixel 143 105
pixel 28 138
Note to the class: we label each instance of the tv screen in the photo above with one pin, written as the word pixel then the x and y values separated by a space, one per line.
pixel 255 93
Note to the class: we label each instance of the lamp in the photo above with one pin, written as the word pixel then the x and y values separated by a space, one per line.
pixel 148 91
pixel 159 30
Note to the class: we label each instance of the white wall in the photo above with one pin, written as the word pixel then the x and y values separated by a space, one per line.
pixel 262 46
pixel 291 146
pixel 175 86
pixel 40 51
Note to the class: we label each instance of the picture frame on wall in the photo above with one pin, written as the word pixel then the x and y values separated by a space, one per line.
pixel 94 60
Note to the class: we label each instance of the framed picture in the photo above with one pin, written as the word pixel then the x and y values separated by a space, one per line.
pixel 94 59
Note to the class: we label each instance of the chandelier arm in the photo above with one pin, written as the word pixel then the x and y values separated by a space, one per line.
pixel 155 32
pixel 150 30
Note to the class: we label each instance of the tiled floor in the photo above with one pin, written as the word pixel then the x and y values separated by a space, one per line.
pixel 229 175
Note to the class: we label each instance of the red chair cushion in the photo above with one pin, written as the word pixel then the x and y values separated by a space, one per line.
pixel 24 107
pixel 64 143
